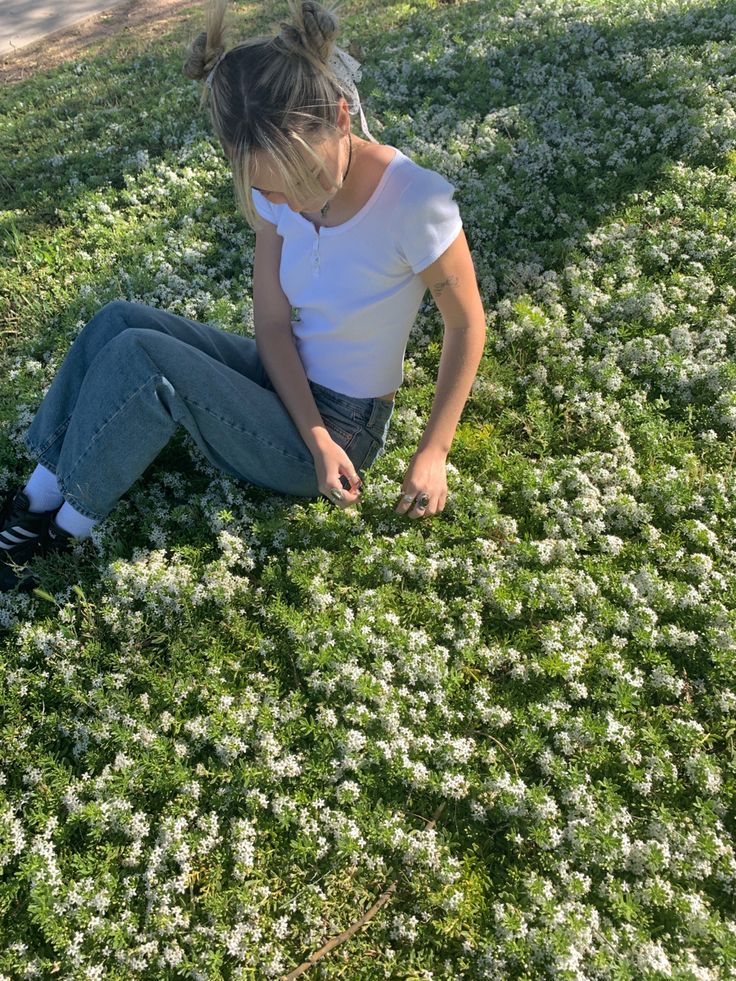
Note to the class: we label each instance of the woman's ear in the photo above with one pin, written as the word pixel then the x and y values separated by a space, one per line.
pixel 343 116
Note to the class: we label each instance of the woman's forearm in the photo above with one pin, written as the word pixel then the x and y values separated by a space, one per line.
pixel 462 350
pixel 277 350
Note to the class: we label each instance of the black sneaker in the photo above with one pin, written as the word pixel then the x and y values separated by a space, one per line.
pixel 57 540
pixel 23 535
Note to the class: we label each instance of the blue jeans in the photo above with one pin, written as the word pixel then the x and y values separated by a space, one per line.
pixel 135 373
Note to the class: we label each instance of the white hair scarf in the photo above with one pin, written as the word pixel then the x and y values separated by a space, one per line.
pixel 348 71
pixel 208 80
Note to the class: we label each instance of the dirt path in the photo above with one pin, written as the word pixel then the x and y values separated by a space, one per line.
pixel 140 19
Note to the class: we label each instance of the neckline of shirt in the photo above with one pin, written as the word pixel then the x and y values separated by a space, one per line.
pixel 343 226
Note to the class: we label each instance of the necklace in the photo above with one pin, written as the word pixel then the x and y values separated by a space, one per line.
pixel 323 211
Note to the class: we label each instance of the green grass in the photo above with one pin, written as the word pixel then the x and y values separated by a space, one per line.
pixel 227 720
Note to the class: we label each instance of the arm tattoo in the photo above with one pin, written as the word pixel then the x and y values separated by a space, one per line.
pixel 451 281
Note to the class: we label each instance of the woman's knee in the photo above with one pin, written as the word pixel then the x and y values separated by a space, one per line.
pixel 116 312
pixel 110 321
pixel 136 351
pixel 115 320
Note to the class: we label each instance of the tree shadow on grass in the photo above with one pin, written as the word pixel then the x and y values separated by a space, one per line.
pixel 579 116
pixel 550 88
pixel 78 127
pixel 548 165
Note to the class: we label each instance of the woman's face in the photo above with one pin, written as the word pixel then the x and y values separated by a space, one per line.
pixel 266 178
pixel 332 151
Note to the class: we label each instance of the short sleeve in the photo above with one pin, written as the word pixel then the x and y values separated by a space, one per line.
pixel 430 219
pixel 263 206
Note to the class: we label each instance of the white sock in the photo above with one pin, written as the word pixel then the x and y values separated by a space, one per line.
pixel 44 493
pixel 73 522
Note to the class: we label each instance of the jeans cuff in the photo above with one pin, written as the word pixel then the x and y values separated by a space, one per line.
pixel 77 504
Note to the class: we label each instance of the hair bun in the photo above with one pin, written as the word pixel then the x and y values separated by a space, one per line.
pixel 314 29
pixel 201 58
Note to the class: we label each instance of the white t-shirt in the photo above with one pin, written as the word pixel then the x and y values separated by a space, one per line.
pixel 356 286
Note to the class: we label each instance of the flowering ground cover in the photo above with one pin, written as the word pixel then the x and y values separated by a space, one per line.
pixel 232 720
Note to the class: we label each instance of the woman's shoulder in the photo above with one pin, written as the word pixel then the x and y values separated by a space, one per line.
pixel 416 187
pixel 380 155
pixel 415 180
pixel 376 159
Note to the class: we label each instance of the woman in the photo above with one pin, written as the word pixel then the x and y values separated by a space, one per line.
pixel 350 233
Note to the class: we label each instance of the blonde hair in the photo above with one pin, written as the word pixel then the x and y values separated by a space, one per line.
pixel 269 96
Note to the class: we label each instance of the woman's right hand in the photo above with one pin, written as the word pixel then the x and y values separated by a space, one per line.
pixel 331 462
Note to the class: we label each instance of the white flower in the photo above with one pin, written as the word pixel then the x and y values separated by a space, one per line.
pixel 454 785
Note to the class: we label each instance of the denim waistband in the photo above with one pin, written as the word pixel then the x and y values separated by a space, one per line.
pixel 372 414
pixel 349 403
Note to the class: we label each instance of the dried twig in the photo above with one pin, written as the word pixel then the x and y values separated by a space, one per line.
pixel 353 929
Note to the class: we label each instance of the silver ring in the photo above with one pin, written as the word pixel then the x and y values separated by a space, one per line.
pixel 423 501
pixel 335 493
pixel 407 498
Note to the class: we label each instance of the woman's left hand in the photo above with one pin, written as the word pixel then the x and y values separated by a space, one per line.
pixel 427 474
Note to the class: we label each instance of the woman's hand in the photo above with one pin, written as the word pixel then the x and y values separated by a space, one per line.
pixel 331 462
pixel 427 474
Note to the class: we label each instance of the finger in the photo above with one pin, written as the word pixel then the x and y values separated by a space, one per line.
pixel 434 507
pixel 405 502
pixel 350 495
pixel 344 492
pixel 335 494
pixel 421 505
pixel 356 481
pixel 350 479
